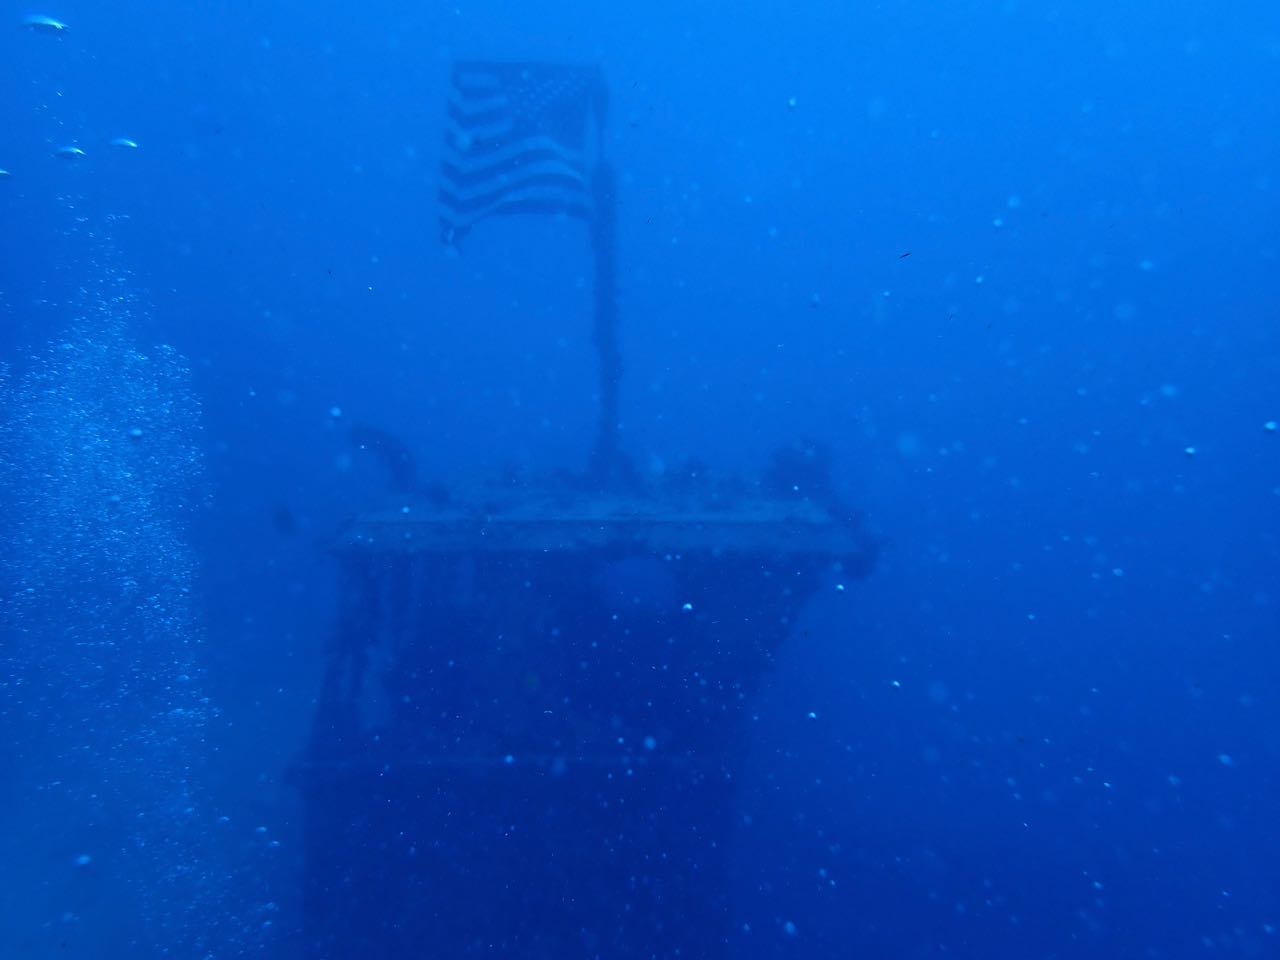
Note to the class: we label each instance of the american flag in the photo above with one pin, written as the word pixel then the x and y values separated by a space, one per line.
pixel 517 142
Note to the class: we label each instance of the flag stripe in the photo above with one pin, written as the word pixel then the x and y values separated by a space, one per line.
pixel 549 182
pixel 465 160
pixel 492 114
pixel 488 153
pixel 550 197
pixel 462 182
pixel 466 108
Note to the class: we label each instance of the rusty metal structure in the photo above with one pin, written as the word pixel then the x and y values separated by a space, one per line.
pixel 533 711
pixel 534 708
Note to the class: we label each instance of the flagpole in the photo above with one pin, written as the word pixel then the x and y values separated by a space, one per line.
pixel 608 465
pixel 605 457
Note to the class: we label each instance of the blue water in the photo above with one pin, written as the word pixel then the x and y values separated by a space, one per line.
pixel 1015 265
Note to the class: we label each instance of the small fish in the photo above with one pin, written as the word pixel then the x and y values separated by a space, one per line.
pixel 125 142
pixel 5 174
pixel 70 153
pixel 903 256
pixel 42 24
